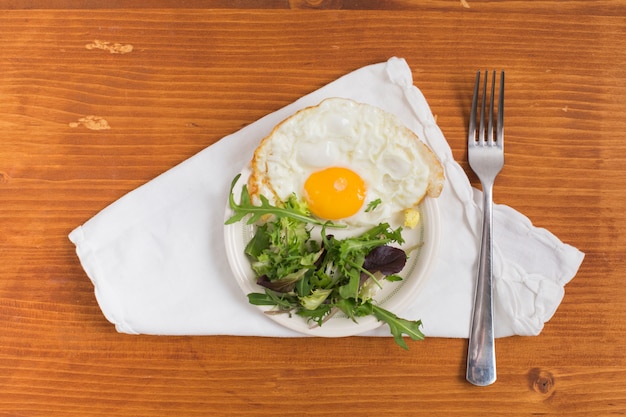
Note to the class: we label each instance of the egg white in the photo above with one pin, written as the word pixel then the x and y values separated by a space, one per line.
pixel 341 132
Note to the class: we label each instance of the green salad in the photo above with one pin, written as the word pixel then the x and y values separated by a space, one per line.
pixel 314 278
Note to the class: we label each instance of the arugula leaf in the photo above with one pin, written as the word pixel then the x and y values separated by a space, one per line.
pixel 245 207
pixel 270 298
pixel 351 308
pixel 399 326
pixel 393 278
pixel 373 204
pixel 259 242
pixel 351 288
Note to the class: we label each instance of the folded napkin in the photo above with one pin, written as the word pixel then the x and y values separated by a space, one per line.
pixel 157 259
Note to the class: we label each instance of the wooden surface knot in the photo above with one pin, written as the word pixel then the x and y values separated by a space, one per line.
pixel 541 381
pixel 316 4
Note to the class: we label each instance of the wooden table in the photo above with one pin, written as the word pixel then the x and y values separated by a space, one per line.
pixel 170 78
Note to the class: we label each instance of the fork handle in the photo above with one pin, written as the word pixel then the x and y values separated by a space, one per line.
pixel 481 357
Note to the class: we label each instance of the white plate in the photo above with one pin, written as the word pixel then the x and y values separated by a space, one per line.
pixel 394 296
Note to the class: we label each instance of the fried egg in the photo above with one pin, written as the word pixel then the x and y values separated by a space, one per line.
pixel 351 162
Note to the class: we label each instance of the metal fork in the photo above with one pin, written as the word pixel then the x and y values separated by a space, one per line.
pixel 486 157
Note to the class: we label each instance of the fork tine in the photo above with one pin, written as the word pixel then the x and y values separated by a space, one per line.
pixel 481 129
pixel 500 126
pixel 492 98
pixel 471 135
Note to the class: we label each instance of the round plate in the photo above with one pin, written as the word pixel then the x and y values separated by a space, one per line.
pixel 420 244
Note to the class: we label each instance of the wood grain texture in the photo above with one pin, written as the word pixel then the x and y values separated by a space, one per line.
pixel 195 75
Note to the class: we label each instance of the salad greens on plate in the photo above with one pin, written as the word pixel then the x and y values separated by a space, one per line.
pixel 315 278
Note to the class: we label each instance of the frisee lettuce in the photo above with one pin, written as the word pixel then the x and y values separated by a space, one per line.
pixel 312 279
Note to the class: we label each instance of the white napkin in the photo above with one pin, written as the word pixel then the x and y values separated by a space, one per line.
pixel 157 259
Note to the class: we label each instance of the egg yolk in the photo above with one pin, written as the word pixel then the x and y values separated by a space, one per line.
pixel 334 193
